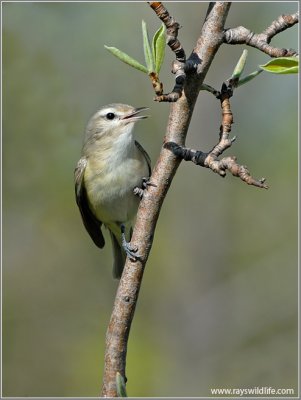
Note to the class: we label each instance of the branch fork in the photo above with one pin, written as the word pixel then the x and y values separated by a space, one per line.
pixel 241 35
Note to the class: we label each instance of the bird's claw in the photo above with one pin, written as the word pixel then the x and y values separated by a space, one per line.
pixel 130 250
pixel 138 191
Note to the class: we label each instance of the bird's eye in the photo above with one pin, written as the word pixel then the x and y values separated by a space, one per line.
pixel 110 115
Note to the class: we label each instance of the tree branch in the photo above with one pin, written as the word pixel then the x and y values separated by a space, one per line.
pixel 210 39
pixel 210 159
pixel 242 35
pixel 178 67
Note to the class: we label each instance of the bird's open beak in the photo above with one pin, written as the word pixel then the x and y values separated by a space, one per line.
pixel 133 117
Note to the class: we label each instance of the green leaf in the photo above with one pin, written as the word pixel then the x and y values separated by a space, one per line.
pixel 127 59
pixel 248 77
pixel 282 65
pixel 147 50
pixel 239 66
pixel 120 385
pixel 158 48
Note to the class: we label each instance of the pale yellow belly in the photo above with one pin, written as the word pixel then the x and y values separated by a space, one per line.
pixel 110 190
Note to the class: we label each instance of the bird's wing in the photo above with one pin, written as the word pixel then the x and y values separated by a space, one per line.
pixel 146 156
pixel 92 224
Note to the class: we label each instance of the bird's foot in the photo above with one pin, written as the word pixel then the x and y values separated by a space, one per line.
pixel 131 251
pixel 138 191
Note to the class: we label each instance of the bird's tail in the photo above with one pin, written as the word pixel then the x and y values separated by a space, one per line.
pixel 119 257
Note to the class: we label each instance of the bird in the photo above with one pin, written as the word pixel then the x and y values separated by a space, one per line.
pixel 110 178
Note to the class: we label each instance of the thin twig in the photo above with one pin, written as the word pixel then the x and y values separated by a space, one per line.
pixel 178 67
pixel 210 159
pixel 242 35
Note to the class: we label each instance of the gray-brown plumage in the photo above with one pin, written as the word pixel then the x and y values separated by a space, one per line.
pixel 112 165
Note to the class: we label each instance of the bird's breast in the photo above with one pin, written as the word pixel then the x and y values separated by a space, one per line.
pixel 110 183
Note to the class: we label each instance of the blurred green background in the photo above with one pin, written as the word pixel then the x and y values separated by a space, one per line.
pixel 218 305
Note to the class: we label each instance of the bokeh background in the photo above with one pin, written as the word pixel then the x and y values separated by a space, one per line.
pixel 218 305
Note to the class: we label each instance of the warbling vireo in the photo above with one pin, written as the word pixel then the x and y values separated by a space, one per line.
pixel 112 167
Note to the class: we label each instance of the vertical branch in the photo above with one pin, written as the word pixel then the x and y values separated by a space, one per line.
pixel 210 39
